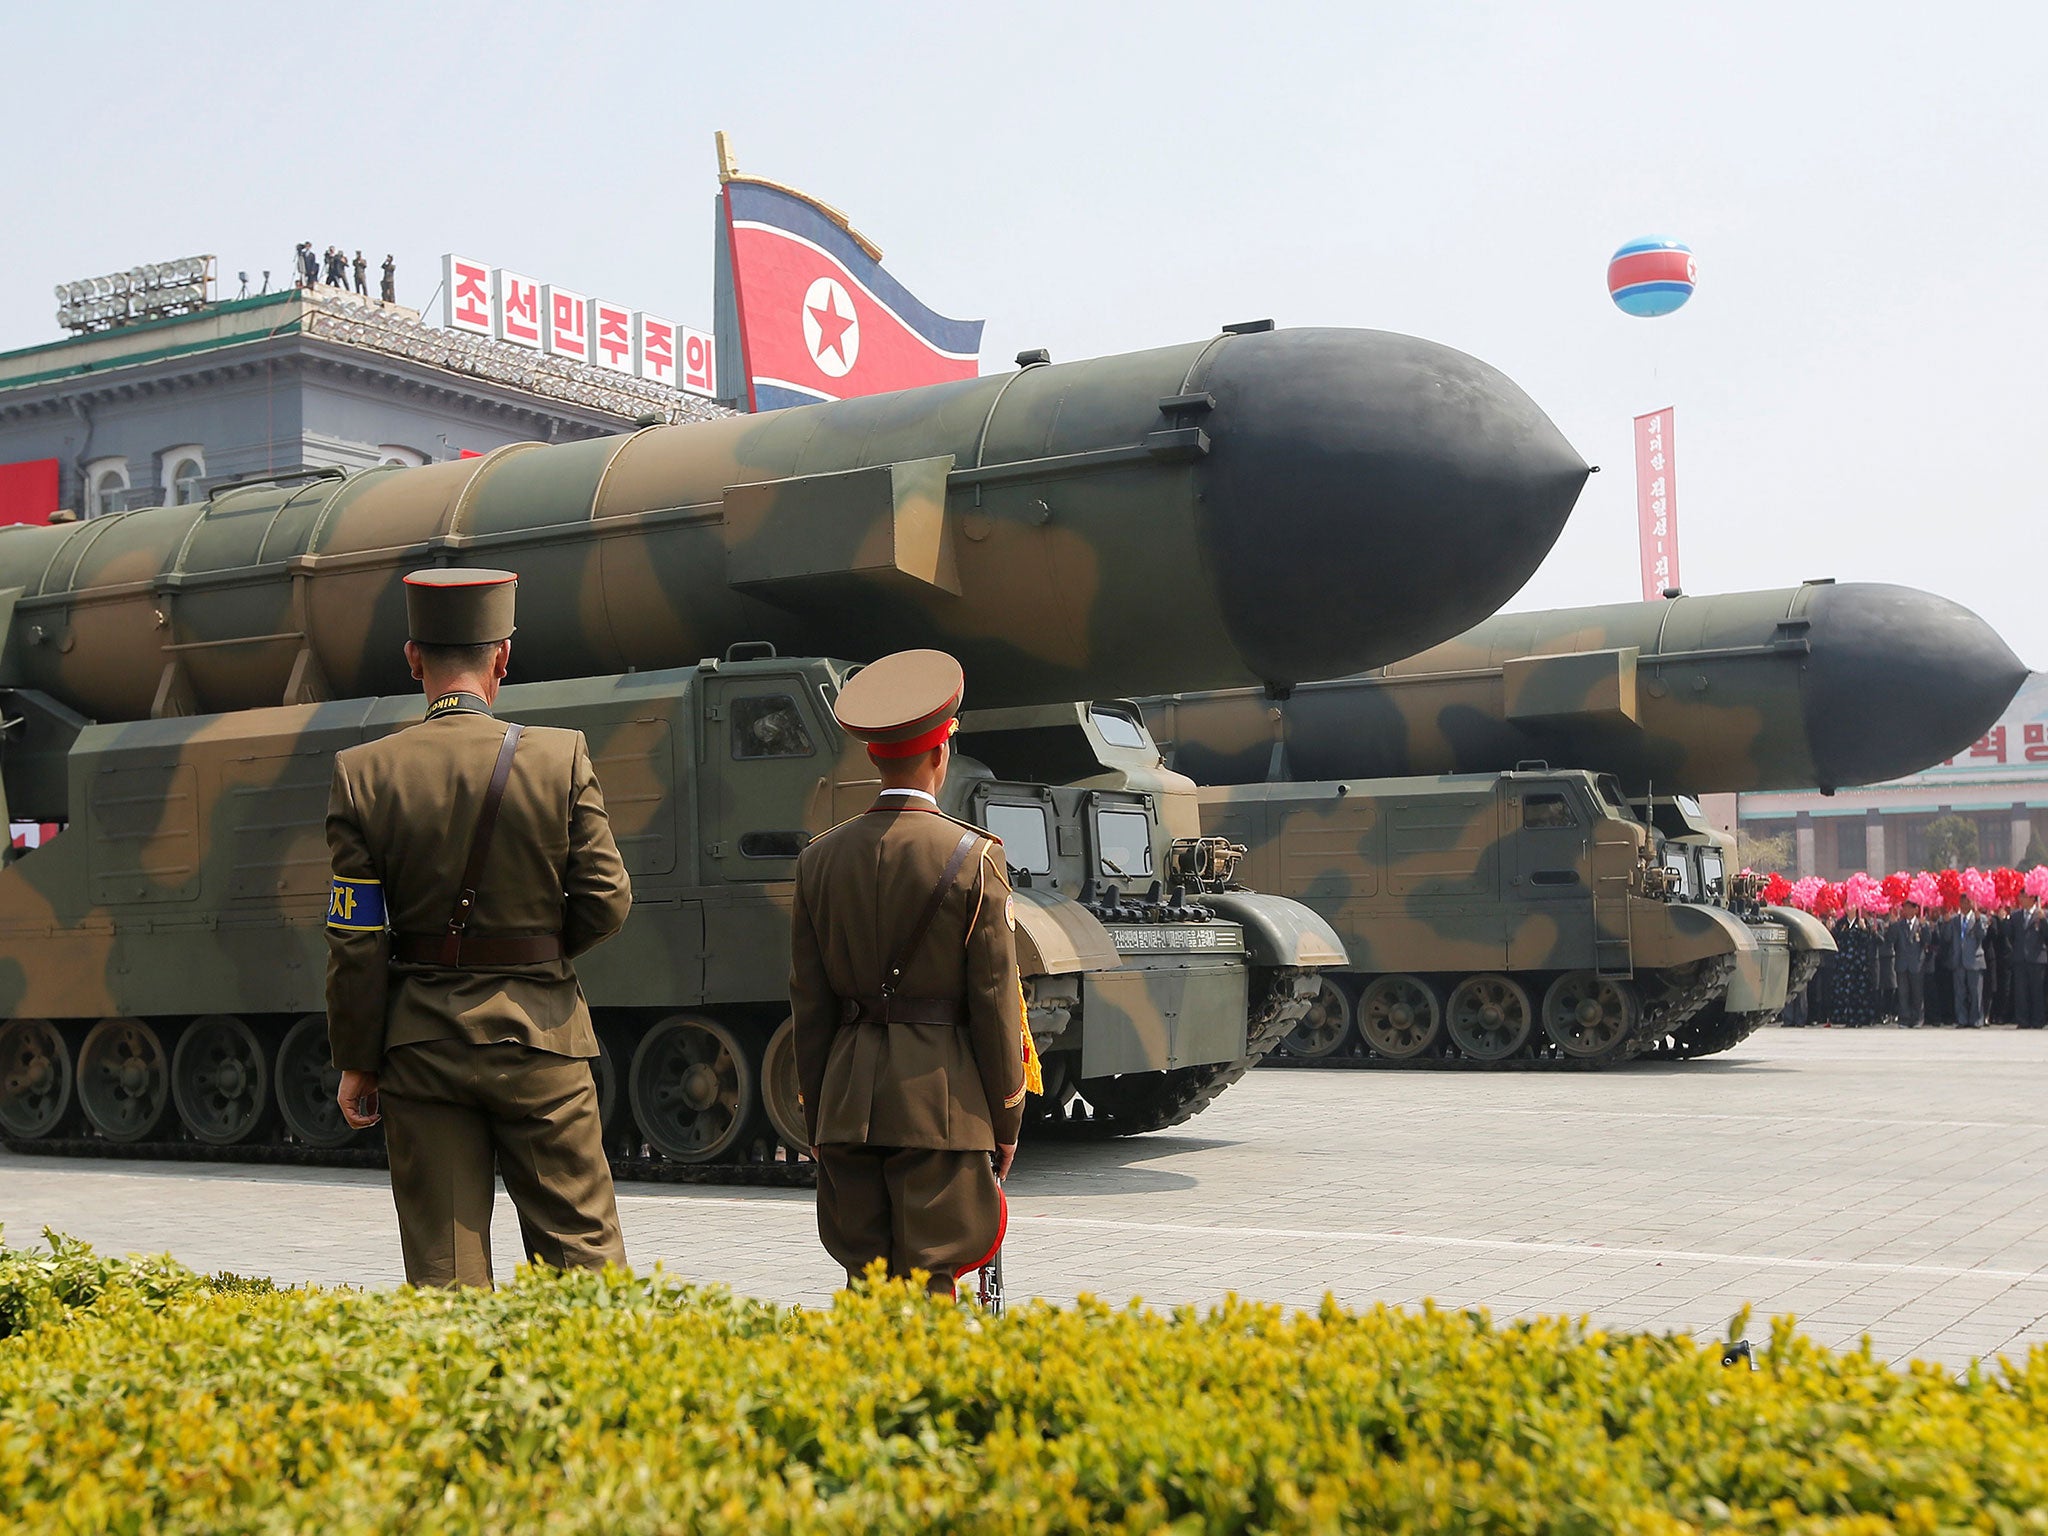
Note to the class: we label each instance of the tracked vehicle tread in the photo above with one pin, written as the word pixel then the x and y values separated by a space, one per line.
pixel 1162 1099
pixel 1659 1022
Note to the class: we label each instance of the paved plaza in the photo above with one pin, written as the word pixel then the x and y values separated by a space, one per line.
pixel 1871 1181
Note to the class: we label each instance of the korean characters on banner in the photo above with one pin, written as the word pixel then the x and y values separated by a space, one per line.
pixel 675 355
pixel 567 316
pixel 514 308
pixel 700 363
pixel 467 295
pixel 518 310
pixel 1657 503
pixel 611 336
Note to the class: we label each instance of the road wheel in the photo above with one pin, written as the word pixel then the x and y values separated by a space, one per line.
pixel 1399 1016
pixel 220 1081
pixel 1589 1017
pixel 306 1083
pixel 696 1089
pixel 780 1088
pixel 124 1079
pixel 37 1086
pixel 1491 1018
pixel 1326 1028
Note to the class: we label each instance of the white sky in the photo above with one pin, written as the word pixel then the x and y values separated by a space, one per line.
pixel 1858 381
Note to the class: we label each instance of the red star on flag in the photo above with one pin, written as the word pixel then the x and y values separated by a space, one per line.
pixel 832 327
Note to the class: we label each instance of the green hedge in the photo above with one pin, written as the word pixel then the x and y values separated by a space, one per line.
pixel 581 1403
pixel 38 1288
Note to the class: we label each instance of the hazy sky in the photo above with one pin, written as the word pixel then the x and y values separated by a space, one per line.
pixel 1859 380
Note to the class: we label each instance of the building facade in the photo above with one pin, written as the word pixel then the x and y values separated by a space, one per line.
pixel 162 411
pixel 1998 786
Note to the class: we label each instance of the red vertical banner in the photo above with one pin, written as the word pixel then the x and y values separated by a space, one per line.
pixel 1657 502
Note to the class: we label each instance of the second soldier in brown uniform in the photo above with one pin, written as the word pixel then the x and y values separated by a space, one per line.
pixel 472 862
pixel 903 983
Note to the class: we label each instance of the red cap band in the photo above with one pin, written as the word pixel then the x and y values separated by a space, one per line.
pixel 916 744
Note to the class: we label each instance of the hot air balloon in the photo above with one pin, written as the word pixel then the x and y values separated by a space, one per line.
pixel 1651 277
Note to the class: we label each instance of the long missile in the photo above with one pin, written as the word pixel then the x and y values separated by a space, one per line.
pixel 1150 521
pixel 1813 687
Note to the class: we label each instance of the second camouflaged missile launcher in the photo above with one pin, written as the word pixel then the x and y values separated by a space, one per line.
pixel 162 961
pixel 1493 919
pixel 1809 687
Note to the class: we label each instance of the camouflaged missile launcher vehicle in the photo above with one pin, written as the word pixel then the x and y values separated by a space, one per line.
pixel 1809 687
pixel 163 958
pixel 1494 919
pixel 174 683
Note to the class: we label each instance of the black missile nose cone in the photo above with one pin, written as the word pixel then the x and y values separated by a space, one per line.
pixel 1369 494
pixel 1899 680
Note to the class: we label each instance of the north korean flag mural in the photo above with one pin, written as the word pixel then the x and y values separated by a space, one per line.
pixel 816 316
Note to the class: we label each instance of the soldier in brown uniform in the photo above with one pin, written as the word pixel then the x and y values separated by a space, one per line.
pixel 472 861
pixel 903 982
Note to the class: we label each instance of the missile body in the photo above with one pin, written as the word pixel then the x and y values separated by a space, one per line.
pixel 1126 524
pixel 1816 686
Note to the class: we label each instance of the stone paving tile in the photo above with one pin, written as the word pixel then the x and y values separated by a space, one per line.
pixel 1887 1182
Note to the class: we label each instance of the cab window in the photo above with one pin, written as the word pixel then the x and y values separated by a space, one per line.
pixel 1547 811
pixel 1675 862
pixel 1023 831
pixel 1118 729
pixel 769 725
pixel 1713 871
pixel 1123 841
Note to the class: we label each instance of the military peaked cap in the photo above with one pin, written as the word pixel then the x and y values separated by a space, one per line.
pixel 459 606
pixel 903 704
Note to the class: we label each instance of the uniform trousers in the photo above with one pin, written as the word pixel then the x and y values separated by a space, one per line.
pixel 1969 999
pixel 1912 998
pixel 2029 983
pixel 916 1207
pixel 456 1116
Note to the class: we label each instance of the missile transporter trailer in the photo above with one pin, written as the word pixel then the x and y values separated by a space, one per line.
pixel 164 956
pixel 1496 919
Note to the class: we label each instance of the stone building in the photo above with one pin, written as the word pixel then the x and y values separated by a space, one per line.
pixel 161 411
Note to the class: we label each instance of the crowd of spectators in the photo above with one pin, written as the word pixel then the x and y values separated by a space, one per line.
pixel 1956 947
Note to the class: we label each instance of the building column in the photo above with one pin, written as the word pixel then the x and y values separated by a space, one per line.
pixel 2022 831
pixel 1802 844
pixel 1873 844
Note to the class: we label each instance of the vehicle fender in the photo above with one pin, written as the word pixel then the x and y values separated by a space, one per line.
pixel 1278 931
pixel 1802 929
pixel 1058 936
pixel 1669 933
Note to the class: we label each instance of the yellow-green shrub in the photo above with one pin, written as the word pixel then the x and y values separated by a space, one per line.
pixel 37 1287
pixel 585 1403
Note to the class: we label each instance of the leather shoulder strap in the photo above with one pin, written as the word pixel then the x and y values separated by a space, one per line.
pixel 486 824
pixel 947 876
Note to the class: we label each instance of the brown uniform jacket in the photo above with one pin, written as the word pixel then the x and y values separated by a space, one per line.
pixel 860 890
pixel 401 811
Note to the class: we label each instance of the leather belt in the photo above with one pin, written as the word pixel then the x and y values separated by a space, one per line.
pixel 902 1010
pixel 458 952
